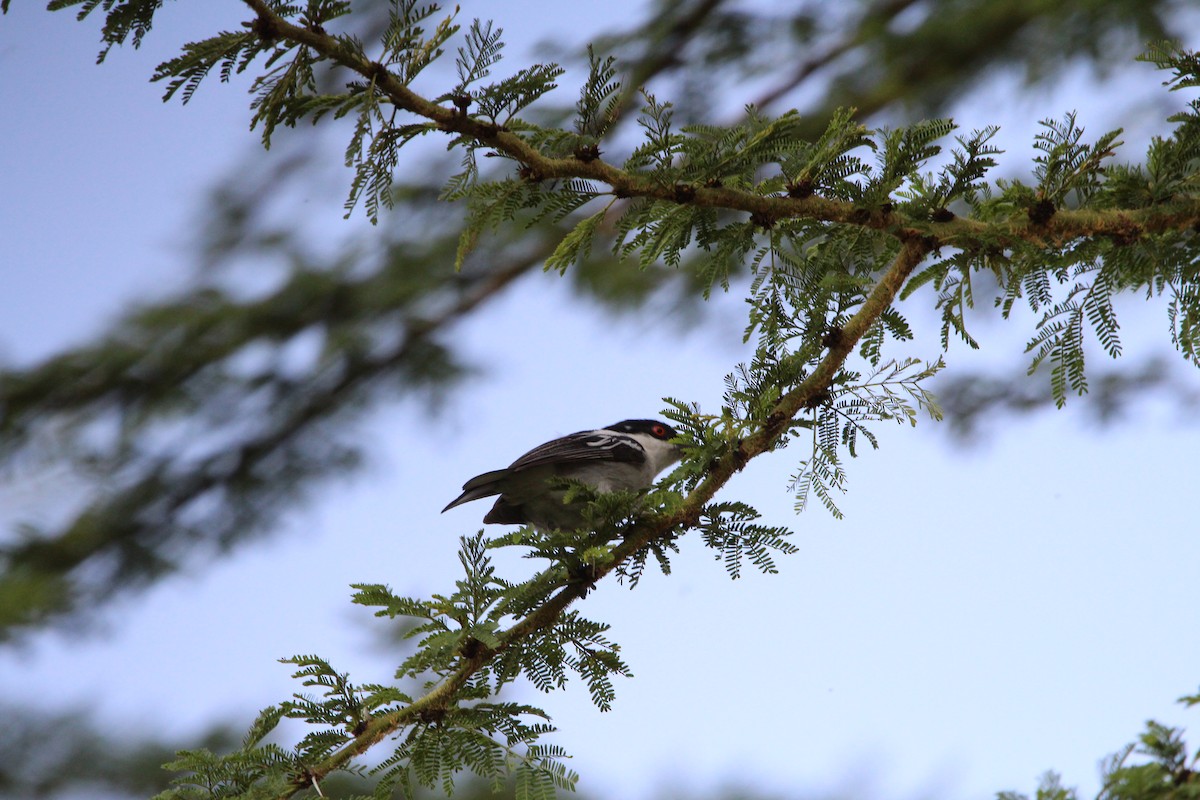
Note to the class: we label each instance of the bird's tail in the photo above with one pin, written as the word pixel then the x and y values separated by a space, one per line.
pixel 485 485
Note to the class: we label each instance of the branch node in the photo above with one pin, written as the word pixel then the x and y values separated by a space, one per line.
pixel 266 28
pixel 315 27
pixel 431 716
pixel 859 216
pixel 817 400
pixel 587 153
pixel 800 189
pixel 376 71
pixel 584 575
pixel 685 193
pixel 1041 212
pixel 530 174
pixel 739 457
pixel 763 219
pixel 471 648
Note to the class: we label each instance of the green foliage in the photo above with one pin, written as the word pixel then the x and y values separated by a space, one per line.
pixel 893 391
pixel 1184 64
pixel 407 48
pixel 452 630
pixel 124 20
pixel 900 153
pixel 478 55
pixel 826 166
pixel 118 400
pixel 1066 169
pixel 729 528
pixel 232 51
pixel 1049 788
pixel 1167 772
pixel 1060 334
pixel 501 101
pixel 962 179
pixel 827 229
pixel 599 98
pixel 491 739
pixel 1157 767
pixel 576 246
pixel 572 644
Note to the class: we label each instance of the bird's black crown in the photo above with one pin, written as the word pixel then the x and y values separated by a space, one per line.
pixel 659 430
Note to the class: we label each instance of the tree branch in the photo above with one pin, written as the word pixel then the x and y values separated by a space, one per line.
pixel 132 522
pixel 872 19
pixel 442 697
pixel 1061 227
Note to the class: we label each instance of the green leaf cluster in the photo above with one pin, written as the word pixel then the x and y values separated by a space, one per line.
pixel 761 155
pixel 1156 767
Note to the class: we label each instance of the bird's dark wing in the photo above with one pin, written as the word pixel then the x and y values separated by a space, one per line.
pixel 578 447
pixel 583 446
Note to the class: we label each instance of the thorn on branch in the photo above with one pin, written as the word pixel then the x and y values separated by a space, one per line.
pixel 832 337
pixel 1041 212
pixel 308 778
pixel 685 193
pixel 587 153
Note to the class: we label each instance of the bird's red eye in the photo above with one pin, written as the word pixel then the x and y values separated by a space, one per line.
pixel 659 431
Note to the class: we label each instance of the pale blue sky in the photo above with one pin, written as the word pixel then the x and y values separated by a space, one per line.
pixel 981 615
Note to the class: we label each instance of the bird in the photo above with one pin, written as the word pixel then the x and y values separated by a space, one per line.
pixel 622 456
